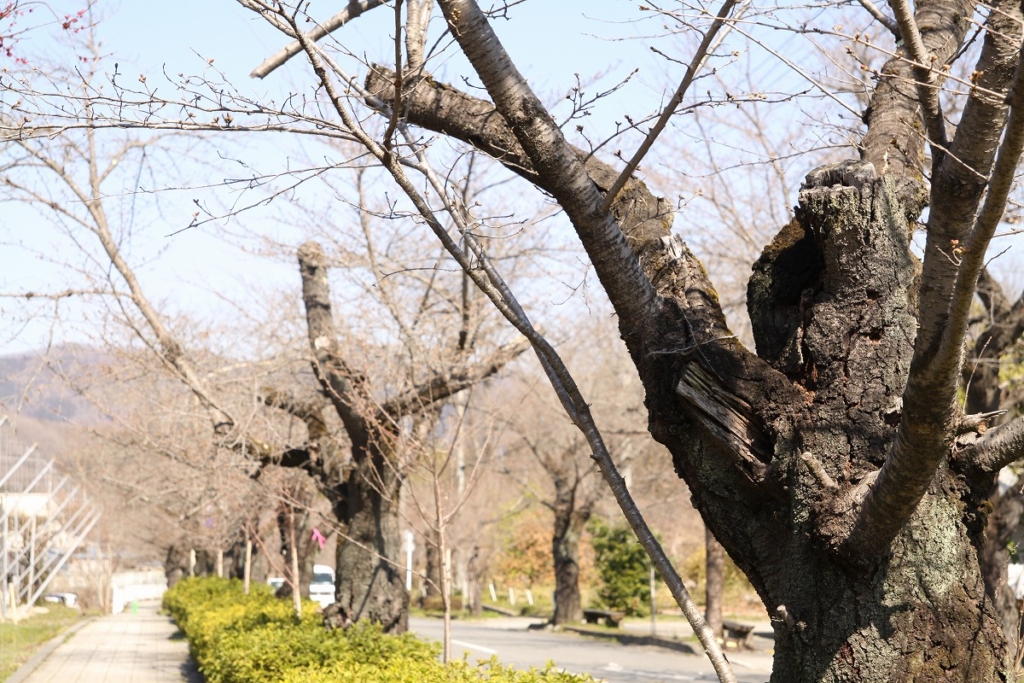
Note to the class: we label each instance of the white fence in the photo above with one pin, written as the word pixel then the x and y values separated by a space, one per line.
pixel 127 587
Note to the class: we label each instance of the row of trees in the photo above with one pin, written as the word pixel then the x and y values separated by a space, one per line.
pixel 835 461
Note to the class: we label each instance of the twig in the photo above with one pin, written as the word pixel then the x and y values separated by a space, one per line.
pixel 711 40
pixel 355 8
pixel 927 92
pixel 881 18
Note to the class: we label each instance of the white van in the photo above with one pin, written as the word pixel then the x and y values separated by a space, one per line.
pixel 321 588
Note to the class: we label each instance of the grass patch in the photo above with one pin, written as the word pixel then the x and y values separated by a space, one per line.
pixel 18 642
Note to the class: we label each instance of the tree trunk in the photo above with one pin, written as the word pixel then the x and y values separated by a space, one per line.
pixel 1003 522
pixel 782 451
pixel 832 302
pixel 919 616
pixel 565 550
pixel 714 583
pixel 475 585
pixel 176 564
pixel 432 580
pixel 984 395
pixel 370 581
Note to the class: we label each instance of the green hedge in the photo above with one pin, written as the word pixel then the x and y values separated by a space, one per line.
pixel 256 638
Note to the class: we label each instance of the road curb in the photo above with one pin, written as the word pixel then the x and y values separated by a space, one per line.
pixel 628 639
pixel 26 669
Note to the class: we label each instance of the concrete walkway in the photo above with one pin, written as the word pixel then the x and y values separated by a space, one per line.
pixel 125 648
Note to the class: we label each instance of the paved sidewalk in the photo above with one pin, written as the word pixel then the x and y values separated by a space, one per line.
pixel 124 648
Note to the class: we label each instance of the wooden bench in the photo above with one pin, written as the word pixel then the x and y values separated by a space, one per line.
pixel 611 618
pixel 738 633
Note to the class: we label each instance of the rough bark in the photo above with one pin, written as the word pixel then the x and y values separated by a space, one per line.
pixel 364 488
pixel 837 499
pixel 370 584
pixel 432 582
pixel 921 612
pixel 833 305
pixel 714 582
pixel 571 517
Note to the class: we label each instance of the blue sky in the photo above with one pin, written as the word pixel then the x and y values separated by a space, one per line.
pixel 551 41
pixel 207 272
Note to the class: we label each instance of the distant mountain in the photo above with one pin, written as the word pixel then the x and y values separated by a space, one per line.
pixel 31 385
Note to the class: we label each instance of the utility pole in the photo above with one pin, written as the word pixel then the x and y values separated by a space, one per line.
pixel 32 557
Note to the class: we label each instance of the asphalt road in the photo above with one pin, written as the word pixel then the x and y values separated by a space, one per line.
pixel 606 660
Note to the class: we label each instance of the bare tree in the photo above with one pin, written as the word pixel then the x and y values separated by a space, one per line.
pixel 575 495
pixel 70 177
pixel 842 317
pixel 835 464
pixel 365 492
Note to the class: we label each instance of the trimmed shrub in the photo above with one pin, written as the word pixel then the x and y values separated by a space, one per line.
pixel 256 638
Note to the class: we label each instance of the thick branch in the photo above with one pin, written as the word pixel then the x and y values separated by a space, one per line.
pixel 997 448
pixel 643 217
pixel 893 141
pixel 629 290
pixel 446 384
pixel 885 21
pixel 353 10
pixel 927 92
pixel 309 411
pixel 930 408
pixel 344 387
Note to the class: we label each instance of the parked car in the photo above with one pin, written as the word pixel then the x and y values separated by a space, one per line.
pixel 66 599
pixel 321 588
pixel 275 582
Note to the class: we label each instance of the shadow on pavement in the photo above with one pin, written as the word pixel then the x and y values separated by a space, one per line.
pixel 190 672
pixel 628 639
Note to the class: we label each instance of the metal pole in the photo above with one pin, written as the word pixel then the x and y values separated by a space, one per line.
pixel 32 557
pixel 73 520
pixel 67 555
pixel 5 567
pixel 296 590
pixel 9 509
pixel 48 565
pixel 51 495
pixel 50 520
pixel 32 485
pixel 19 463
